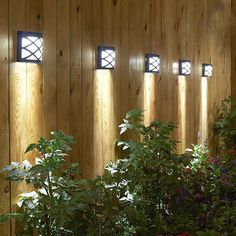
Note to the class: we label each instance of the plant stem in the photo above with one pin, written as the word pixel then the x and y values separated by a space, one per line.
pixel 47 221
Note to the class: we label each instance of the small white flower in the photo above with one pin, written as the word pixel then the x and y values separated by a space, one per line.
pixel 47 155
pixel 124 182
pixel 110 186
pixel 15 164
pixel 12 166
pixel 38 160
pixel 26 164
pixel 19 203
pixel 42 191
pixel 32 194
pixel 188 150
pixel 128 197
pixel 111 170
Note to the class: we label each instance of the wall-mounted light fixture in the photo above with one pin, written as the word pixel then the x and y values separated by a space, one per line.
pixel 29 47
pixel 184 67
pixel 207 70
pixel 106 57
pixel 152 63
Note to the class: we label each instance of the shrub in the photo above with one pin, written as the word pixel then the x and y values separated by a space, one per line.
pixel 149 191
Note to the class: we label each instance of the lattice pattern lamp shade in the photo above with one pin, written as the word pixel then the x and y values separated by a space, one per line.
pixel 184 67
pixel 106 57
pixel 207 70
pixel 152 63
pixel 29 47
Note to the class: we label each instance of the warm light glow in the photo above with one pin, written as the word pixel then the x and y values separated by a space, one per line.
pixel 152 63
pixel 149 98
pixel 204 111
pixel 19 88
pixel 184 67
pixel 207 70
pixel 106 57
pixel 29 47
pixel 104 124
pixel 175 67
pixel 182 113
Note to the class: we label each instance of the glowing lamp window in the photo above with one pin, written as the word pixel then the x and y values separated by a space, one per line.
pixel 207 70
pixel 152 63
pixel 29 47
pixel 106 57
pixel 184 67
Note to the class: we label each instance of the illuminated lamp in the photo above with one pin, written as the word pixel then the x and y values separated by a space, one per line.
pixel 207 70
pixel 152 63
pixel 106 57
pixel 29 47
pixel 184 67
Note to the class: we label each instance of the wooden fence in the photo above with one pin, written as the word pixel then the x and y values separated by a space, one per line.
pixel 67 91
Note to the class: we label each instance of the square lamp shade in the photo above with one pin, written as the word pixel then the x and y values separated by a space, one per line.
pixel 29 47
pixel 184 67
pixel 106 57
pixel 207 70
pixel 152 63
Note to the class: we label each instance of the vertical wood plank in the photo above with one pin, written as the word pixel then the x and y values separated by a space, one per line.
pixel 152 44
pixel 87 88
pixel 75 79
pixel 63 65
pixel 201 84
pixel 108 120
pixel 4 114
pixel 136 54
pixel 18 95
pixel 98 89
pixel 49 67
pixel 117 77
pixel 189 52
pixel 233 49
pixel 34 80
pixel 124 59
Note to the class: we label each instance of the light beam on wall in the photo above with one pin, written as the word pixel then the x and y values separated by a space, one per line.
pixel 182 87
pixel 149 98
pixel 29 47
pixel 204 111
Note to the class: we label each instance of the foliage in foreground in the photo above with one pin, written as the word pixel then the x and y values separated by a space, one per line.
pixel 150 191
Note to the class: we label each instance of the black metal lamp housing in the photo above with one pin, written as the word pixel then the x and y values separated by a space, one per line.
pixel 184 67
pixel 152 63
pixel 207 70
pixel 29 47
pixel 105 57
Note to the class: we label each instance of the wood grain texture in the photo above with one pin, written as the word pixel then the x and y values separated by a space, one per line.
pixel 233 48
pixel 18 96
pixel 4 113
pixel 87 114
pixel 49 67
pixel 67 91
pixel 34 81
pixel 75 79
pixel 63 65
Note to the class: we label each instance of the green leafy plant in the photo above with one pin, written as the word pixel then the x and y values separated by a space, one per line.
pixel 225 124
pixel 149 191
pixel 225 127
pixel 58 197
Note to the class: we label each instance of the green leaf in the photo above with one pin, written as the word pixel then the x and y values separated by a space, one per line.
pixel 30 147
